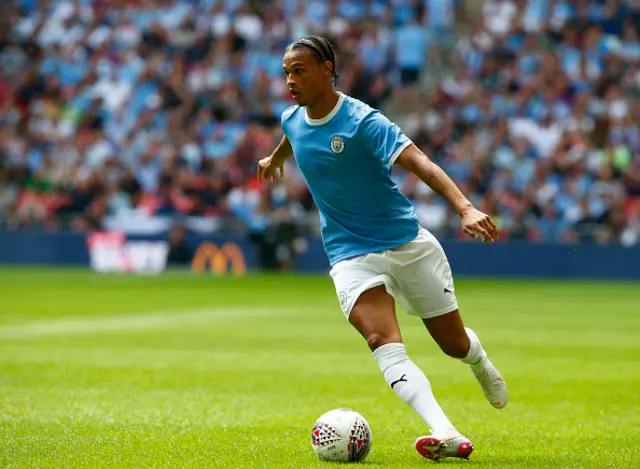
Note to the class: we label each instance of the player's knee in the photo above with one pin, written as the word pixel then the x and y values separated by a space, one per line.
pixel 457 347
pixel 376 340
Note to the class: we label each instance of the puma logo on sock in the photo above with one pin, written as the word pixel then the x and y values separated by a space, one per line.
pixel 402 379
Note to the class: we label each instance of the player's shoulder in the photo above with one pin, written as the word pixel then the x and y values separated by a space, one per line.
pixel 358 111
pixel 364 116
pixel 290 113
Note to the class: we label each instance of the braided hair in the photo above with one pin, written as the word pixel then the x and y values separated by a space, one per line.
pixel 321 48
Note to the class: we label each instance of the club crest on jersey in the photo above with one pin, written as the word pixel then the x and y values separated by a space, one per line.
pixel 337 144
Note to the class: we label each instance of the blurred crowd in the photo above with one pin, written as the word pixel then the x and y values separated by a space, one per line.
pixel 117 113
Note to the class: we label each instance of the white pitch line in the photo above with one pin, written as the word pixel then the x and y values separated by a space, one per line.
pixel 120 322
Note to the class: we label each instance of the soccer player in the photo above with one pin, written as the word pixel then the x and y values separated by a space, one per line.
pixel 376 246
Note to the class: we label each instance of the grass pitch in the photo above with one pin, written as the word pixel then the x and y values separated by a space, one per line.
pixel 181 371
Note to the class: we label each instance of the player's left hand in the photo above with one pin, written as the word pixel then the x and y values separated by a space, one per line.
pixel 479 225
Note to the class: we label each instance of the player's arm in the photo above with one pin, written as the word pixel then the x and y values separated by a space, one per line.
pixel 475 223
pixel 283 151
pixel 268 167
pixel 390 145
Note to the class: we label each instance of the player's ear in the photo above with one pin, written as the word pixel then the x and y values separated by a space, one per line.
pixel 328 68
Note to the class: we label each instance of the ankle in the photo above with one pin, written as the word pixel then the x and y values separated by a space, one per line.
pixel 476 353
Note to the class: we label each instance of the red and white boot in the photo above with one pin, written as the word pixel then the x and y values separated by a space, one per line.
pixel 434 448
pixel 493 386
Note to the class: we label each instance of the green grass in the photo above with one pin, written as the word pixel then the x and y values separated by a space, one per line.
pixel 181 371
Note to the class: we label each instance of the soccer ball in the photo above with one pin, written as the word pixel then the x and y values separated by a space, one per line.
pixel 341 435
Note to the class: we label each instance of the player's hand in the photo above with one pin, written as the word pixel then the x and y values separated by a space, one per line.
pixel 479 225
pixel 268 169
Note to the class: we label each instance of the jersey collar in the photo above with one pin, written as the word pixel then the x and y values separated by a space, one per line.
pixel 329 116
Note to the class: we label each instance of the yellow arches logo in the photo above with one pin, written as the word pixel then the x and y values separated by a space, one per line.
pixel 219 259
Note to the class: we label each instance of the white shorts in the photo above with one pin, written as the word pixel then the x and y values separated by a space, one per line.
pixel 416 274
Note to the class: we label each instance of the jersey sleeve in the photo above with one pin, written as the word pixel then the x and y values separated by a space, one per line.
pixel 285 117
pixel 384 139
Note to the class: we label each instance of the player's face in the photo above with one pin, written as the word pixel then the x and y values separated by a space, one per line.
pixel 305 75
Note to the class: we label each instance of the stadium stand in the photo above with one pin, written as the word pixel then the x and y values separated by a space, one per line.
pixel 132 113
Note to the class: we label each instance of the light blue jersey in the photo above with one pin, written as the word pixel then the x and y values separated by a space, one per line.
pixel 346 159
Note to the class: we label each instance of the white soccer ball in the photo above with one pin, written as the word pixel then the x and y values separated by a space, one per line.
pixel 341 435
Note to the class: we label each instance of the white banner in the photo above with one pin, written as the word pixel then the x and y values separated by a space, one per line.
pixel 109 251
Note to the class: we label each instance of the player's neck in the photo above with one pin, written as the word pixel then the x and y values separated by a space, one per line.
pixel 323 105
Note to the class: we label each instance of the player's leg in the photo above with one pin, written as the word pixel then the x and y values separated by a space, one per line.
pixel 426 289
pixel 364 290
pixel 374 316
pixel 461 342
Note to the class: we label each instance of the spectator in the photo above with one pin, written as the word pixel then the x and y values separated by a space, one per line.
pixel 179 252
pixel 127 114
pixel 411 52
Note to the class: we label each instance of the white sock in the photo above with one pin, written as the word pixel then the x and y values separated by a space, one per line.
pixel 412 386
pixel 475 357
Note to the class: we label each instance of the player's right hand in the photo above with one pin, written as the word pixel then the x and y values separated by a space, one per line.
pixel 268 169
